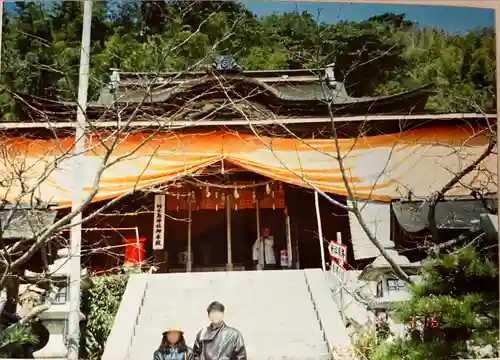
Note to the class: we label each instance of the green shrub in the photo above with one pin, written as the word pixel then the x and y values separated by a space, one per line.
pixel 365 344
pixel 12 339
pixel 100 304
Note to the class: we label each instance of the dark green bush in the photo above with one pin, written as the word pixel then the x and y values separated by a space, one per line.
pixel 100 304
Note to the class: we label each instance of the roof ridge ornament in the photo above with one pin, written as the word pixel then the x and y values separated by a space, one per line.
pixel 114 79
pixel 226 64
pixel 330 75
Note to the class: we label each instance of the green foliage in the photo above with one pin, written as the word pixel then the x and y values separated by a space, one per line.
pixel 461 67
pixel 407 350
pixel 11 339
pixel 365 344
pixel 455 308
pixel 100 304
pixel 385 54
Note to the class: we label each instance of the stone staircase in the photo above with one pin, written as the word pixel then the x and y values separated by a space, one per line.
pixel 287 315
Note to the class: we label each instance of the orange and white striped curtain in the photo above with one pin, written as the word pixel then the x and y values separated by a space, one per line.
pixel 381 167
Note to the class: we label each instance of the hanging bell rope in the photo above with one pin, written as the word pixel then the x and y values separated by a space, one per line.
pixel 197 182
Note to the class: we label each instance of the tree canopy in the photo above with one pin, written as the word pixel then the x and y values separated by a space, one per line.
pixel 385 54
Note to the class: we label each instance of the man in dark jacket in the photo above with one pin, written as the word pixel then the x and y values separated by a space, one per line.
pixel 218 341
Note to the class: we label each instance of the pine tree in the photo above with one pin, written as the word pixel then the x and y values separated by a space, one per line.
pixel 15 340
pixel 454 309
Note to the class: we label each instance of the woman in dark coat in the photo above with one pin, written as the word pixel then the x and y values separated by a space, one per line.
pixel 173 346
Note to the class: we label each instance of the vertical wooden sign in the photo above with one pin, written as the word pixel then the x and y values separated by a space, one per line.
pixel 159 223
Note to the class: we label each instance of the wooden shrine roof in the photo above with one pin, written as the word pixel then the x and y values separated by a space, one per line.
pixel 223 92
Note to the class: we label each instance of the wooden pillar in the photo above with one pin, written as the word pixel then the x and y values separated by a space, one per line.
pixel 297 250
pixel 291 201
pixel 260 264
pixel 189 262
pixel 288 239
pixel 320 231
pixel 229 264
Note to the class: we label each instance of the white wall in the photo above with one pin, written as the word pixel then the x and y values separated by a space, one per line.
pixel 377 216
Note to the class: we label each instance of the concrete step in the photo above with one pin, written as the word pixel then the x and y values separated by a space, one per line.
pixel 324 356
pixel 233 306
pixel 194 286
pixel 194 283
pixel 139 354
pixel 231 276
pixel 310 330
pixel 270 306
pixel 253 341
pixel 310 335
pixel 244 327
pixel 142 333
pixel 288 350
pixel 239 324
pixel 189 282
pixel 288 356
pixel 229 301
pixel 199 311
pixel 255 344
pixel 306 311
pixel 189 279
pixel 274 289
pixel 282 334
pixel 259 345
pixel 270 350
pixel 247 288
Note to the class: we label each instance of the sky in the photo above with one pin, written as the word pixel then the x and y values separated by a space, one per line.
pixel 448 18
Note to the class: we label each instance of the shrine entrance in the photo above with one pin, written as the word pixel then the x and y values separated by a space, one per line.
pixel 186 226
pixel 209 243
pixel 211 223
pixel 211 220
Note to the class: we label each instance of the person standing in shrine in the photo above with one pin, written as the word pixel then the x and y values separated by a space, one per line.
pixel 263 250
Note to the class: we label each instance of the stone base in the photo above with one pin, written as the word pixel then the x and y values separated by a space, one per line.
pixel 55 322
pixel 55 348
